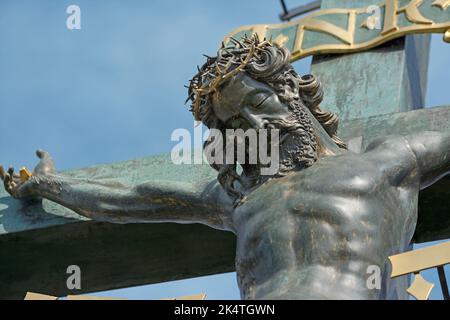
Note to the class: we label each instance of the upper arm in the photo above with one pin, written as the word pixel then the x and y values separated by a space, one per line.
pixel 183 203
pixel 154 201
pixel 432 152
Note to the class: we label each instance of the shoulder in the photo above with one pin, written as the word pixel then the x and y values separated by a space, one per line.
pixel 387 143
pixel 392 154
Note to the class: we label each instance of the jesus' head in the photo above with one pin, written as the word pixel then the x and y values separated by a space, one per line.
pixel 251 84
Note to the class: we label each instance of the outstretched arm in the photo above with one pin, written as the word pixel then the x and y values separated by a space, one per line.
pixel 432 152
pixel 156 201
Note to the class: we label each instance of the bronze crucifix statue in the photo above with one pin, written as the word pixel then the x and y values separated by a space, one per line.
pixel 309 231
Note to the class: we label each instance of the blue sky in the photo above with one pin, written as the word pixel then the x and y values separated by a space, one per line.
pixel 114 89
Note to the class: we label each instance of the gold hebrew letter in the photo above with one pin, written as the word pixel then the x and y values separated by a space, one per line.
pixel 390 17
pixel 413 14
pixel 411 11
pixel 345 35
pixel 443 4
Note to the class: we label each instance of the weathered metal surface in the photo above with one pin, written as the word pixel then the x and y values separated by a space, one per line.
pixel 434 222
pixel 14 217
pixel 30 238
pixel 38 243
pixel 352 26
pixel 428 119
pixel 390 78
pixel 110 256
pixel 170 176
pixel 326 216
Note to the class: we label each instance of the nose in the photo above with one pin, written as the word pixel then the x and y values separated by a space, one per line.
pixel 255 121
pixel 258 123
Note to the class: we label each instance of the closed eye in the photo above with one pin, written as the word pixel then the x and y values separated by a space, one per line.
pixel 259 98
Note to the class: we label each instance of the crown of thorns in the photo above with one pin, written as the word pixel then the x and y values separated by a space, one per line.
pixel 230 60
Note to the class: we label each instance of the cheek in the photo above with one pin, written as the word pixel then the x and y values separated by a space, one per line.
pixel 273 105
pixel 222 112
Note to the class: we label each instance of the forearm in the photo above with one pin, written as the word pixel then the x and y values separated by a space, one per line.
pixel 119 203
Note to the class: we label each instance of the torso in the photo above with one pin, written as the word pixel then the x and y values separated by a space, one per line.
pixel 316 231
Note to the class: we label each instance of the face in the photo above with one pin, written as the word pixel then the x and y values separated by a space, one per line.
pixel 246 103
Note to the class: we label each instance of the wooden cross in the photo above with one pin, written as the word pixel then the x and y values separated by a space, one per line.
pixel 376 92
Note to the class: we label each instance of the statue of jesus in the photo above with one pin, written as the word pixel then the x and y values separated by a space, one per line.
pixel 313 228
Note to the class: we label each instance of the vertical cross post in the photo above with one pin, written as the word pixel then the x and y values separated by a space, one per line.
pixel 390 78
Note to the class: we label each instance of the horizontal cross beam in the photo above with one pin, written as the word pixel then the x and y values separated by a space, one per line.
pixel 37 245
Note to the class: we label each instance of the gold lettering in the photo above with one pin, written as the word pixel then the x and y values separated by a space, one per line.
pixel 393 11
pixel 299 40
pixel 281 40
pixel 413 14
pixel 443 4
pixel 322 26
pixel 447 36
pixel 390 17
pixel 411 11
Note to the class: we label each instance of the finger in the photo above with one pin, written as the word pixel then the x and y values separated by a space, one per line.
pixel 7 182
pixel 41 154
pixel 46 164
pixel 2 172
pixel 16 178
pixel 10 185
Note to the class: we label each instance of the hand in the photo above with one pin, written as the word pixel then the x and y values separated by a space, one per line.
pixel 20 188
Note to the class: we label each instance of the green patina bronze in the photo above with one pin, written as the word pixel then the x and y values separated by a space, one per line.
pixel 167 252
pixel 352 26
pixel 38 243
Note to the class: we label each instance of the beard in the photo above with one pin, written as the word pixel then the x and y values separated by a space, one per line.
pixel 297 150
pixel 298 143
pixel 297 147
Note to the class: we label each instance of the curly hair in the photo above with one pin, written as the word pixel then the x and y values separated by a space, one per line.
pixel 267 63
